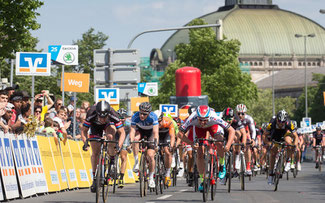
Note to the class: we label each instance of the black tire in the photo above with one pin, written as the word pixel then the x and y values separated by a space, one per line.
pixel 98 178
pixel 242 172
pixel 115 173
pixel 215 177
pixel 175 170
pixel 157 175
pixel 141 176
pixel 319 162
pixel 229 171
pixel 195 174
pixel 278 172
pixel 287 175
pixel 145 177
pixel 105 187
pixel 206 183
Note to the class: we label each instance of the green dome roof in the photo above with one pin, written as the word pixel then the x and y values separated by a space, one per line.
pixel 261 30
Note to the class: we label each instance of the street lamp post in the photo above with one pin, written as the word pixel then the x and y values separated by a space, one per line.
pixel 273 94
pixel 305 53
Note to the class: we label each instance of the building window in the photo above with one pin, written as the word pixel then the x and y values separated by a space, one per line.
pixel 300 64
pixel 255 64
pixel 261 64
pixel 289 64
pixel 251 63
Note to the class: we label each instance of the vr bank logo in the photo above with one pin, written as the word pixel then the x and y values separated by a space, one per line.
pixel 169 109
pixel 33 63
pixel 111 95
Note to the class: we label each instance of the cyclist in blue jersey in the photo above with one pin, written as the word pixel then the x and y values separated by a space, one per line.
pixel 144 124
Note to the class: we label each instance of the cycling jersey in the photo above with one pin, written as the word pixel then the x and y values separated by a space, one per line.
pixel 248 122
pixel 318 137
pixel 166 129
pixel 96 127
pixel 236 124
pixel 278 133
pixel 213 119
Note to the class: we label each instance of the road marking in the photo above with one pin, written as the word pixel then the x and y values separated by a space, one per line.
pixel 181 191
pixel 164 197
pixel 150 202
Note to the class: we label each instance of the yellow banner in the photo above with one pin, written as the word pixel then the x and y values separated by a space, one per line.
pixel 69 165
pixel 136 101
pixel 115 106
pixel 59 164
pixel 76 82
pixel 50 171
pixel 79 164
pixel 324 97
pixel 86 158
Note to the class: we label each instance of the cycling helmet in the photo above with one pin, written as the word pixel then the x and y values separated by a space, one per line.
pixel 318 128
pixel 122 112
pixel 102 108
pixel 264 125
pixel 145 107
pixel 241 108
pixel 203 111
pixel 228 113
pixel 282 116
pixel 294 124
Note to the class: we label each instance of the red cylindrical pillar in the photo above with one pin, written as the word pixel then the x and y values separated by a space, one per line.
pixel 188 82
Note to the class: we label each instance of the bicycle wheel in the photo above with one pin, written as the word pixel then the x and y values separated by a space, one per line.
pixel 115 172
pixel 175 169
pixel 141 175
pixel 206 183
pixel 319 162
pixel 242 172
pixel 229 171
pixel 213 181
pixel 195 174
pixel 145 177
pixel 278 172
pixel 99 176
pixel 105 186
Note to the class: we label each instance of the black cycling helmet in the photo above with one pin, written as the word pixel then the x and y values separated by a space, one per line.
pixel 228 113
pixel 318 128
pixel 122 113
pixel 282 116
pixel 103 108
pixel 145 107
pixel 191 109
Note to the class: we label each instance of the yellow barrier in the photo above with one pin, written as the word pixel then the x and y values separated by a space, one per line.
pixel 86 158
pixel 68 165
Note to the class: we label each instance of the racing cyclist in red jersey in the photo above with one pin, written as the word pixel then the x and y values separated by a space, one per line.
pixel 204 119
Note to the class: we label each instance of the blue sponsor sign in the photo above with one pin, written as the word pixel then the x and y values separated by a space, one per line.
pixel 30 152
pixel 28 63
pixel 10 160
pixel 111 95
pixel 171 109
pixel 24 153
pixel 17 153
pixel 36 153
pixel 2 155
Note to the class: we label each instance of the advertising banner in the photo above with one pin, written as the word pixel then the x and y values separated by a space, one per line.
pixel 79 164
pixel 136 101
pixel 47 158
pixel 8 168
pixel 29 63
pixel 76 82
pixel 111 95
pixel 171 109
pixel 36 163
pixel 58 160
pixel 69 165
pixel 23 168
pixel 149 89
pixel 86 157
pixel 64 54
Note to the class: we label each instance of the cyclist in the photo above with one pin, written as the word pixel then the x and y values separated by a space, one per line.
pixel 101 118
pixel 233 120
pixel 178 144
pixel 144 124
pixel 257 148
pixel 318 139
pixel 204 120
pixel 280 128
pixel 249 124
pixel 300 144
pixel 126 144
pixel 166 135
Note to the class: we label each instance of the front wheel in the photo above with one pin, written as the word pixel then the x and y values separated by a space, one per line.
pixel 99 177
pixel 105 186
pixel 229 171
pixel 242 172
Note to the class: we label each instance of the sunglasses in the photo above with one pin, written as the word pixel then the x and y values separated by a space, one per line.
pixel 59 104
pixel 241 114
pixel 281 121
pixel 38 111
pixel 144 113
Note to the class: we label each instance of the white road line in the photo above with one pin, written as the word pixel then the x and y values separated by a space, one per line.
pixel 164 197
pixel 150 202
pixel 181 191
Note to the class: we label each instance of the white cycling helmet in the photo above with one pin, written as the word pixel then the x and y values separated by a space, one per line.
pixel 241 108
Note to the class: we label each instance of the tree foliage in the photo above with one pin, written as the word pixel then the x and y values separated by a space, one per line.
pixel 17 18
pixel 221 77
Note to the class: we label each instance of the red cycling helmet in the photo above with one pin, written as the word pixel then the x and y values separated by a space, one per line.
pixel 203 111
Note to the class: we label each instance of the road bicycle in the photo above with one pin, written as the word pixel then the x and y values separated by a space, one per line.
pixel 242 166
pixel 319 157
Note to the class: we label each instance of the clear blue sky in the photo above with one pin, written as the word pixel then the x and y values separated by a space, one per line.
pixel 64 21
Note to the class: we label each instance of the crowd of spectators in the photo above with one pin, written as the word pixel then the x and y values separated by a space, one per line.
pixel 53 118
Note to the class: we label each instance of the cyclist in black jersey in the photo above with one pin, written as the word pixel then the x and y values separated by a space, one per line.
pixel 101 118
pixel 280 129
pixel 318 139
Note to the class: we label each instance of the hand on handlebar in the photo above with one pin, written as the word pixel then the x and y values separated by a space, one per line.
pixel 86 146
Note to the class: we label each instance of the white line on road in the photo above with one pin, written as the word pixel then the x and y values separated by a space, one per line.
pixel 181 191
pixel 164 197
pixel 150 202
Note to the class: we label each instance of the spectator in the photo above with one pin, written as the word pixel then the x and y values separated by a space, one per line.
pixel 26 98
pixel 39 102
pixel 23 118
pixel 83 114
pixel 10 91
pixel 70 128
pixel 49 129
pixel 16 100
pixel 54 111
pixel 3 96
pixel 71 105
pixel 60 120
pixel 85 105
pixel 4 120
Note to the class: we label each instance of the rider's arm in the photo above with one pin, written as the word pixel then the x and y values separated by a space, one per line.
pixel 231 137
pixel 84 133
pixel 252 130
pixel 264 136
pixel 155 132
pixel 172 134
pixel 132 133
pixel 121 132
pixel 314 142
pixel 244 136
pixel 295 138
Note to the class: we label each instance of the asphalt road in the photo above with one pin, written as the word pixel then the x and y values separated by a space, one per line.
pixel 309 187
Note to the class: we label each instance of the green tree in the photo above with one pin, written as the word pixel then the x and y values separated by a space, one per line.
pixel 261 109
pixel 17 18
pixel 222 79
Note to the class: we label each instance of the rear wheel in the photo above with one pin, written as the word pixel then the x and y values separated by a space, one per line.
pixel 115 172
pixel 141 176
pixel 242 172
